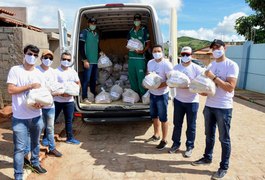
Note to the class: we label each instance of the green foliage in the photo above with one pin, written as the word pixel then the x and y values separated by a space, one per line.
pixel 194 43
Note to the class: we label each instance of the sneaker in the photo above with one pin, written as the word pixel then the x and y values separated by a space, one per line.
pixel 202 161
pixel 219 174
pixel 173 149
pixel 38 169
pixel 55 153
pixel 86 101
pixel 27 163
pixel 188 153
pixel 72 141
pixel 45 142
pixel 153 139
pixel 161 145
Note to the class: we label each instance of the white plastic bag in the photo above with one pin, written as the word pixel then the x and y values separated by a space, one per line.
pixel 152 81
pixel 202 84
pixel 116 92
pixel 71 88
pixel 90 96
pixel 104 61
pixel 117 67
pixel 55 87
pixel 134 44
pixel 146 98
pixel 103 97
pixel 40 95
pixel 129 96
pixel 103 76
pixel 177 79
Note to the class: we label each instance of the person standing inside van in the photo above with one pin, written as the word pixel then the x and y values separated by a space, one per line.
pixel 137 63
pixel 89 50
pixel 159 96
pixel 187 103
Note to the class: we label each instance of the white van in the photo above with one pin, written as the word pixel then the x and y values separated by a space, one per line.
pixel 113 24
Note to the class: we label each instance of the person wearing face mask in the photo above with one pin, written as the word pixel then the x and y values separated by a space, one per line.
pixel 137 63
pixel 89 50
pixel 187 103
pixel 65 101
pixel 218 108
pixel 48 112
pixel 27 123
pixel 159 96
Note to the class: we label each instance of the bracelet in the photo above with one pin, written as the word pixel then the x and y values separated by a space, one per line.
pixel 214 78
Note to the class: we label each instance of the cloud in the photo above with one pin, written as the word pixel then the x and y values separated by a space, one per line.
pixel 224 30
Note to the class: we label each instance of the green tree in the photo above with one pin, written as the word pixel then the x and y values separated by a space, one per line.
pixel 253 26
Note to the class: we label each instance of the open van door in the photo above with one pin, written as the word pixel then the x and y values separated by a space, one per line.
pixel 62 32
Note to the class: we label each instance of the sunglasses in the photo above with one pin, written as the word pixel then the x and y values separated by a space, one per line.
pixel 48 57
pixel 185 54
pixel 65 59
pixel 32 54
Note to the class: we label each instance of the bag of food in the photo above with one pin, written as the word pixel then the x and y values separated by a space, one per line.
pixel 117 67
pixel 146 98
pixel 90 96
pixel 71 88
pixel 202 84
pixel 134 44
pixel 40 95
pixel 104 61
pixel 152 81
pixel 129 96
pixel 103 97
pixel 103 76
pixel 116 92
pixel 55 87
pixel 177 79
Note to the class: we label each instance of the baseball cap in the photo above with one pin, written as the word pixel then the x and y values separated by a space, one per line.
pixel 186 49
pixel 92 20
pixel 137 16
pixel 46 52
pixel 217 42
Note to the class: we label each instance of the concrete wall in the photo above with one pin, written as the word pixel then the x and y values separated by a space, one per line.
pixel 12 42
pixel 251 60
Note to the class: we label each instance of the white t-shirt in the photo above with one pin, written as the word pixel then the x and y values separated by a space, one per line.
pixel 192 71
pixel 50 76
pixel 69 75
pixel 161 68
pixel 21 77
pixel 223 70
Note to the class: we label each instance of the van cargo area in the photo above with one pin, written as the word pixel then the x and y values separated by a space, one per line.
pixel 113 25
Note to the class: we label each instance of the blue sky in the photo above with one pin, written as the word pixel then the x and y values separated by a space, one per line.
pixel 202 19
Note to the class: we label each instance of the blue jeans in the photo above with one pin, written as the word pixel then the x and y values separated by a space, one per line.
pixel 180 109
pixel 89 78
pixel 158 106
pixel 22 129
pixel 221 118
pixel 48 116
pixel 68 111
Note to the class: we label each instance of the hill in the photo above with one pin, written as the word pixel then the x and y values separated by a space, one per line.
pixel 192 42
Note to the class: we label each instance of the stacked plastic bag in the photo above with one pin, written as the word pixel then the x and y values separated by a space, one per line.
pixel 129 96
pixel 71 88
pixel 202 84
pixel 116 92
pixel 103 97
pixel 134 44
pixel 90 96
pixel 104 61
pixel 40 95
pixel 146 98
pixel 152 81
pixel 177 79
pixel 55 87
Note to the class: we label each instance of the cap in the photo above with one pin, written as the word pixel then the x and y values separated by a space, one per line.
pixel 46 52
pixel 92 20
pixel 186 49
pixel 137 16
pixel 217 42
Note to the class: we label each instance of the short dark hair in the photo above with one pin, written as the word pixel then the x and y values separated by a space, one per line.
pixel 157 45
pixel 67 53
pixel 92 20
pixel 32 48
pixel 137 16
pixel 217 42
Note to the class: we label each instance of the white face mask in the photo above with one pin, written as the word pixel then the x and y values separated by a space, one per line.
pixel 30 59
pixel 185 59
pixel 218 53
pixel 47 62
pixel 158 55
pixel 65 63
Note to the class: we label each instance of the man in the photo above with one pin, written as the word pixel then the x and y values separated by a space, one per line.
pixel 159 96
pixel 137 64
pixel 48 112
pixel 218 108
pixel 187 103
pixel 89 48
pixel 65 102
pixel 26 121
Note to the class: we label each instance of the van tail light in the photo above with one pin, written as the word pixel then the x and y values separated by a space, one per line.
pixel 77 114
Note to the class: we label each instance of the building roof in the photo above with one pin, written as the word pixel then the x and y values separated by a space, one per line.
pixel 6 12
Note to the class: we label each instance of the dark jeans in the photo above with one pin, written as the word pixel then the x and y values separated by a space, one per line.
pixel 89 78
pixel 180 109
pixel 221 118
pixel 68 111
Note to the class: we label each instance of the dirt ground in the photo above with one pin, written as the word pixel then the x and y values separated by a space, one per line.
pixel 117 151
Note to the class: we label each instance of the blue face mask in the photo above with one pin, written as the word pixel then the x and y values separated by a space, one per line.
pixel 47 62
pixel 30 59
pixel 92 27
pixel 65 63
